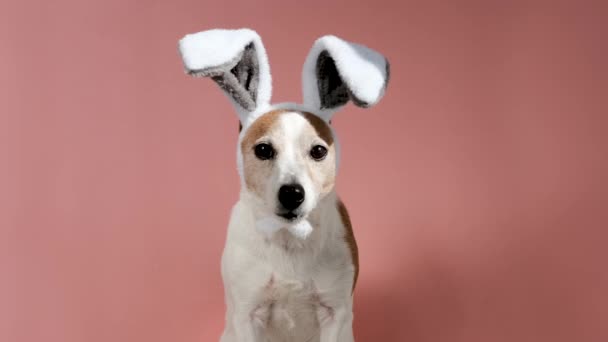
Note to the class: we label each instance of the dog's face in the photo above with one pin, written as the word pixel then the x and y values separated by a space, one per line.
pixel 289 162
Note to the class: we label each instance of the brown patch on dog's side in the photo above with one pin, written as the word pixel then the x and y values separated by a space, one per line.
pixel 349 237
pixel 321 127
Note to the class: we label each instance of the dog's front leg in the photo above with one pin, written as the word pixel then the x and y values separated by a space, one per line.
pixel 244 327
pixel 336 325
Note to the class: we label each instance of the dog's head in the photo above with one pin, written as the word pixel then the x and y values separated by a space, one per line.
pixel 288 154
pixel 289 161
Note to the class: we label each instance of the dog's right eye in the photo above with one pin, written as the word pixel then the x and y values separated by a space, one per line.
pixel 264 151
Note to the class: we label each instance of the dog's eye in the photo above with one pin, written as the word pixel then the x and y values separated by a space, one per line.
pixel 264 151
pixel 318 152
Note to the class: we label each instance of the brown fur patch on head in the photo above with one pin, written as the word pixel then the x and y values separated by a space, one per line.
pixel 349 238
pixel 322 128
pixel 258 129
pixel 324 132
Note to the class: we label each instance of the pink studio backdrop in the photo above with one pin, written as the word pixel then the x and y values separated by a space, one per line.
pixel 477 187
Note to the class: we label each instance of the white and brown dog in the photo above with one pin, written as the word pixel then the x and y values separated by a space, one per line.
pixel 290 263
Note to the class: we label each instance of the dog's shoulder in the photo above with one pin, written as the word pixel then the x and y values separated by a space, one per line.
pixel 349 238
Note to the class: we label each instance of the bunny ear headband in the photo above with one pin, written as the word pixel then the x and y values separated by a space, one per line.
pixel 335 71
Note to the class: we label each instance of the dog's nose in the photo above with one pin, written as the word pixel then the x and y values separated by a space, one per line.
pixel 291 196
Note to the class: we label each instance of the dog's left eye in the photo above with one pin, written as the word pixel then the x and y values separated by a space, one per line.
pixel 318 152
pixel 264 151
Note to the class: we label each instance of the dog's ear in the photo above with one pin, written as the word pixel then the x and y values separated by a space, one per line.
pixel 336 71
pixel 236 60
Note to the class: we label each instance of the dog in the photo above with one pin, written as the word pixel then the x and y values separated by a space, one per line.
pixel 290 263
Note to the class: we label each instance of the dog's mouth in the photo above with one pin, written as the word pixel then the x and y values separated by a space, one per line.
pixel 289 216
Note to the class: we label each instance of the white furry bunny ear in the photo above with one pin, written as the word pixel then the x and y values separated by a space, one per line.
pixel 236 60
pixel 336 71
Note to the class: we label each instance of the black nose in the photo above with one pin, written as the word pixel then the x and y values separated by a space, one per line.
pixel 291 196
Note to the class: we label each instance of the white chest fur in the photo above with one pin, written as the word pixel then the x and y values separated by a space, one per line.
pixel 285 288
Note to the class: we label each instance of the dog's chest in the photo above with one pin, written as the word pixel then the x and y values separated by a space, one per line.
pixel 286 285
pixel 317 264
pixel 300 288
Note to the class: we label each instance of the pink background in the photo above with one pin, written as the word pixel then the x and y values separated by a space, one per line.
pixel 477 187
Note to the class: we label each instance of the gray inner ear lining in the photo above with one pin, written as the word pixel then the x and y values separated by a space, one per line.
pixel 333 92
pixel 388 73
pixel 239 78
